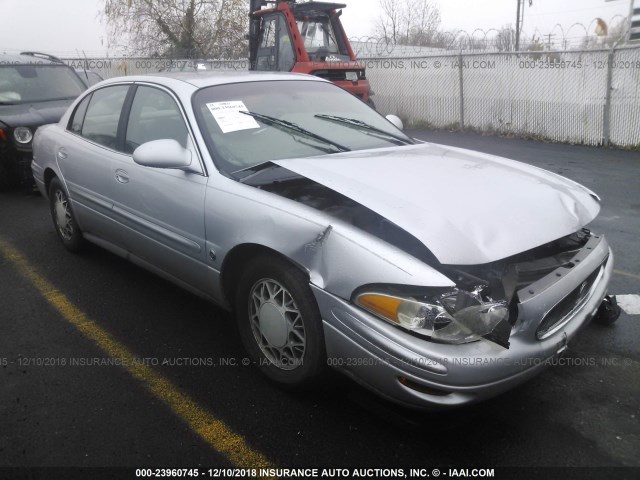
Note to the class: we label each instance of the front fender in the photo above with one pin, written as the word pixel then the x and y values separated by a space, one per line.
pixel 338 257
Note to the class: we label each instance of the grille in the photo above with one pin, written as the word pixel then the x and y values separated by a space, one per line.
pixel 562 312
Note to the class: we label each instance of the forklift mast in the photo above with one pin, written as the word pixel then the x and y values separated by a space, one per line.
pixel 304 38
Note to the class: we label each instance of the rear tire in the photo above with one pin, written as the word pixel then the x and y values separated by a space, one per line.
pixel 279 322
pixel 63 218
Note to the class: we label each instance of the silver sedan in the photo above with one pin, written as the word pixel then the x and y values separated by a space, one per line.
pixel 434 276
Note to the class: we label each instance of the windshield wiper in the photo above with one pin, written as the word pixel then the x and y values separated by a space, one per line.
pixel 360 125
pixel 248 171
pixel 292 127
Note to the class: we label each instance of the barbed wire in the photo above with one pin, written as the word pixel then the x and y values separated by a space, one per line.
pixel 492 40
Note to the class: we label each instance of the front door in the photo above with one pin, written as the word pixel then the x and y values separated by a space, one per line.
pixel 161 211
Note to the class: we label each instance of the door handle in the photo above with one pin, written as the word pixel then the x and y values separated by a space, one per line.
pixel 122 176
pixel 62 154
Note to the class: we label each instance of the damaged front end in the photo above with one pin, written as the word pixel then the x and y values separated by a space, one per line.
pixel 514 280
pixel 460 330
pixel 487 301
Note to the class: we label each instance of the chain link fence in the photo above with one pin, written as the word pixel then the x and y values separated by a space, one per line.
pixel 585 97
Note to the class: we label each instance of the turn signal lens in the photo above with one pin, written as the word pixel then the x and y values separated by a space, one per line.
pixel 381 305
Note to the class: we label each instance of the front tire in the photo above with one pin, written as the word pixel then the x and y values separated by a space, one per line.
pixel 63 218
pixel 279 322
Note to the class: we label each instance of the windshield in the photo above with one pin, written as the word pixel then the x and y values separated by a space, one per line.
pixel 239 140
pixel 38 83
pixel 318 36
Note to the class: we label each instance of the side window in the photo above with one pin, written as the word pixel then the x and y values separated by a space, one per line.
pixel 266 56
pixel 75 125
pixel 286 55
pixel 154 116
pixel 103 114
pixel 269 34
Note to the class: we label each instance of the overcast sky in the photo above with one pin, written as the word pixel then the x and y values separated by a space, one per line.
pixel 64 27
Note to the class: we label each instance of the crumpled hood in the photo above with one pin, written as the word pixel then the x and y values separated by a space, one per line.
pixel 467 207
pixel 33 114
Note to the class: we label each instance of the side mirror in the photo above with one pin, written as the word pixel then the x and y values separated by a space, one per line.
pixel 395 120
pixel 166 153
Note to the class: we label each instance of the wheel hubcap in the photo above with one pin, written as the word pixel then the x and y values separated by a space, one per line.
pixel 273 324
pixel 277 325
pixel 63 215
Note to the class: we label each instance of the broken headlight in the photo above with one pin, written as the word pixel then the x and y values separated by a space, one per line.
pixel 454 317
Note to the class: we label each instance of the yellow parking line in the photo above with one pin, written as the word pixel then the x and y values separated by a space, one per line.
pixel 627 274
pixel 211 429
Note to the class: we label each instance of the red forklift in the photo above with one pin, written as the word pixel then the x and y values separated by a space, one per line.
pixel 308 37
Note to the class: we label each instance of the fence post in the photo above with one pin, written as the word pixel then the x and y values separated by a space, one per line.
pixel 460 81
pixel 606 115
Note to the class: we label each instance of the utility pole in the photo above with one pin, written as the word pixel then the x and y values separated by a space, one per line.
pixel 634 20
pixel 549 41
pixel 520 21
pixel 518 24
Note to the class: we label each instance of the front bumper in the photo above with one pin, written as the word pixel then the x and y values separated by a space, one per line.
pixel 422 374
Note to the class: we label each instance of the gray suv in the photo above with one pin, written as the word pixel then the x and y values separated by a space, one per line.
pixel 35 89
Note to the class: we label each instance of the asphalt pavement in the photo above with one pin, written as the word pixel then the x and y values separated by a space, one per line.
pixel 191 402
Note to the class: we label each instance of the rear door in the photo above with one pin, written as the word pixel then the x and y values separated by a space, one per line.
pixel 161 211
pixel 86 154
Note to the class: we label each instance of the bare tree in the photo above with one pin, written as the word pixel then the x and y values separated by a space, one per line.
pixel 506 39
pixel 388 24
pixel 178 28
pixel 426 23
pixel 407 22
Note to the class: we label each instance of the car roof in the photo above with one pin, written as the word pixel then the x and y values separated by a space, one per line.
pixel 17 59
pixel 206 78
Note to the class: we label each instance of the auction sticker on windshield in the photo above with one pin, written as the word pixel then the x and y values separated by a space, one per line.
pixel 229 118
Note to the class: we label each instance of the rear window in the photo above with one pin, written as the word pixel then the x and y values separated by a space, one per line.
pixel 38 83
pixel 103 115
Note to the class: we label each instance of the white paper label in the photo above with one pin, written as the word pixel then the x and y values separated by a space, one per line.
pixel 229 118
